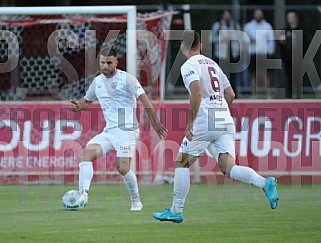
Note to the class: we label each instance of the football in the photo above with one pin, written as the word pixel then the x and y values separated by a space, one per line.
pixel 73 200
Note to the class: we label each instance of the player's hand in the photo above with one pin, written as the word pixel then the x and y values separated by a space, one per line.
pixel 74 105
pixel 189 132
pixel 159 128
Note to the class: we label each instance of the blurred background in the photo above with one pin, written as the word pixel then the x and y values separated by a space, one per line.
pixel 203 15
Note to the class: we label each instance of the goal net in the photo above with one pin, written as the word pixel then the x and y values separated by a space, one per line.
pixel 56 54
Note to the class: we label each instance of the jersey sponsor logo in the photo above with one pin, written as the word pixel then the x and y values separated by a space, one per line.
pixel 190 73
pixel 216 97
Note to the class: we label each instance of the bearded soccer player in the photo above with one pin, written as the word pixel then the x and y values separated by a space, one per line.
pixel 116 91
pixel 209 126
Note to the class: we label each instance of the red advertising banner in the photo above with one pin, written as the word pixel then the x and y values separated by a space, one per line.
pixel 40 142
pixel 280 139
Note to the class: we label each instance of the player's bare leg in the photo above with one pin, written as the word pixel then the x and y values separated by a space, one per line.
pixel 248 175
pixel 86 171
pixel 180 191
pixel 130 180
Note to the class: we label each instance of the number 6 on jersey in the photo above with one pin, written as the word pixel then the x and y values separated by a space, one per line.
pixel 214 80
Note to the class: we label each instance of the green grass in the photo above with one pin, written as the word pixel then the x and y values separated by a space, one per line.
pixel 213 213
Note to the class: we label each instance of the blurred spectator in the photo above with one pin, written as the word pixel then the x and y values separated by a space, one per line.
pixel 262 45
pixel 243 77
pixel 227 49
pixel 293 85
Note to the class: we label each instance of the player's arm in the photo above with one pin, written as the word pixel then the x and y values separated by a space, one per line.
pixel 158 127
pixel 194 105
pixel 82 104
pixel 79 105
pixel 229 95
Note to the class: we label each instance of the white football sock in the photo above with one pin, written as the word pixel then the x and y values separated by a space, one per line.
pixel 181 188
pixel 86 173
pixel 247 175
pixel 130 181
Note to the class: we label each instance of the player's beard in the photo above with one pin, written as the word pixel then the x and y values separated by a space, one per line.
pixel 108 73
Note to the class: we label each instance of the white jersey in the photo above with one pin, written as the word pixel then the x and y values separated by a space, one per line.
pixel 117 97
pixel 213 81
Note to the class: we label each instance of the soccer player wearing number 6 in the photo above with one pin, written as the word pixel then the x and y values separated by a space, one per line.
pixel 209 126
pixel 116 91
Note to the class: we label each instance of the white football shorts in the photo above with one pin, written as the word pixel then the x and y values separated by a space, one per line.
pixel 220 140
pixel 124 142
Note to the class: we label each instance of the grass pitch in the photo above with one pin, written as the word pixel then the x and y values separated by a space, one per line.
pixel 213 213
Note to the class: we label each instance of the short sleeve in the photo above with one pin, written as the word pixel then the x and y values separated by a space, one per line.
pixel 189 73
pixel 91 92
pixel 135 88
pixel 224 80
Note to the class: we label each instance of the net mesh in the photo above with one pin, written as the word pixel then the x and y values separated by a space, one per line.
pixel 52 51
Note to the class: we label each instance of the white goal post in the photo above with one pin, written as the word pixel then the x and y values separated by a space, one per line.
pixel 129 10
pixel 75 33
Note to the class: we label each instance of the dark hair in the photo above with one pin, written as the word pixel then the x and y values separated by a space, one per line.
pixel 106 52
pixel 227 10
pixel 191 39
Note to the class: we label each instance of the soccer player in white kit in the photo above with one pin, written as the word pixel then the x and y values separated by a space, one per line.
pixel 116 91
pixel 209 126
